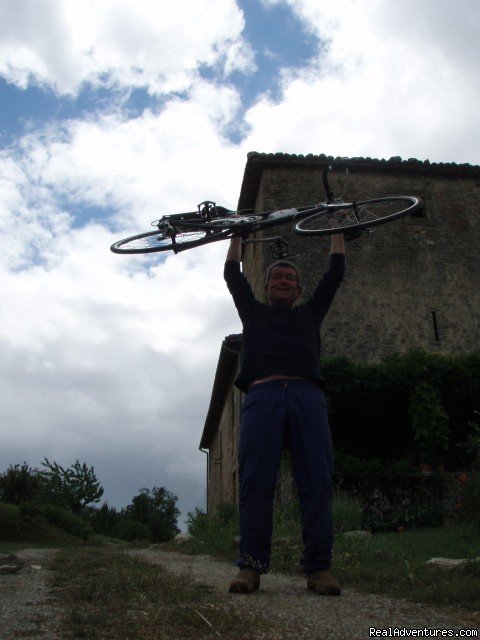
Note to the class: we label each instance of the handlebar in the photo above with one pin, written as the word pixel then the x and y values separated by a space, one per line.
pixel 326 186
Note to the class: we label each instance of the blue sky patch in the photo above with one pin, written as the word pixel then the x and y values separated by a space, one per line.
pixel 280 41
pixel 277 36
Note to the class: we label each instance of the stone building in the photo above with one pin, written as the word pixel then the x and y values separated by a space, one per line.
pixel 411 284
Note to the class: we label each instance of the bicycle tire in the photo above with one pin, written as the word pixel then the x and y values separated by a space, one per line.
pixel 153 241
pixel 362 215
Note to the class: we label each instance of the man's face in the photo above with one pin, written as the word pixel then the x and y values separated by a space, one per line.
pixel 283 287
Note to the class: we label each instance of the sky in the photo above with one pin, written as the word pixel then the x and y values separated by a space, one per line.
pixel 114 112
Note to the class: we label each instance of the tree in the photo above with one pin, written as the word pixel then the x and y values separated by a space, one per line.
pixel 20 483
pixel 73 488
pixel 105 520
pixel 157 509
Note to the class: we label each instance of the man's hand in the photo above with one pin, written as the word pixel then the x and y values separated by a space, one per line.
pixel 338 242
pixel 235 250
pixel 338 218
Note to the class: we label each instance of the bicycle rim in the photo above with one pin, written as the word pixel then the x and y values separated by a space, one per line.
pixel 353 216
pixel 159 241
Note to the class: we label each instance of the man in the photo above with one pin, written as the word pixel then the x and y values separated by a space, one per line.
pixel 284 406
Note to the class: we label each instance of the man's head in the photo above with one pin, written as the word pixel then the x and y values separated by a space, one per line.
pixel 282 283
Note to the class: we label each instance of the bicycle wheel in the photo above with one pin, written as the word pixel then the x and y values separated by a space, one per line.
pixel 159 241
pixel 355 216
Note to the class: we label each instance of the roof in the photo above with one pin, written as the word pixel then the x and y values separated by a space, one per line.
pixel 257 162
pixel 222 385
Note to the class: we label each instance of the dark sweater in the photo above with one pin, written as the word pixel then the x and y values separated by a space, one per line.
pixel 277 339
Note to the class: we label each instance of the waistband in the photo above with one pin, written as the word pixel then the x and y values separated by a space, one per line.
pixel 286 382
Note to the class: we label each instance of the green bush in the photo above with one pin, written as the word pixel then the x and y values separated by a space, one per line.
pixel 369 405
pixel 10 521
pixel 105 520
pixel 20 483
pixel 429 423
pixel 130 530
pixel 216 532
pixel 59 517
pixel 155 508
pixel 391 494
pixel 469 495
pixel 227 514
pixel 197 522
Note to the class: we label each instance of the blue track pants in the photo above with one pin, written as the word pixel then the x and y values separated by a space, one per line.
pixel 275 414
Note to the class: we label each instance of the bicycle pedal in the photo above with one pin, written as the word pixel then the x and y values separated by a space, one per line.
pixel 279 250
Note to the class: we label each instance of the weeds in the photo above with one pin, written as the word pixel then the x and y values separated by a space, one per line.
pixel 392 563
pixel 108 594
pixel 395 564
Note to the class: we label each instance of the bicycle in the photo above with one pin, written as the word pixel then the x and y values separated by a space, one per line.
pixel 211 222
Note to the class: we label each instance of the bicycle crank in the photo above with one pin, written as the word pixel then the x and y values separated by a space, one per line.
pixel 279 249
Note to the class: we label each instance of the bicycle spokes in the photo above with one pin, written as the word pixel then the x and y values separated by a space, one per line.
pixel 342 218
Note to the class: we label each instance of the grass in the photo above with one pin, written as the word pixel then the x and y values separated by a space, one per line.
pixel 17 532
pixel 395 564
pixel 108 594
pixel 392 564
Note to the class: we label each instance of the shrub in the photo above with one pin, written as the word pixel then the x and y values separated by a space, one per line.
pixel 20 483
pixel 197 522
pixel 369 404
pixel 10 521
pixel 391 494
pixel 155 508
pixel 469 496
pixel 429 422
pixel 227 514
pixel 217 531
pixel 105 520
pixel 59 517
pixel 130 530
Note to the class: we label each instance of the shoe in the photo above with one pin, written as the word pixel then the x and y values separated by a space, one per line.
pixel 246 581
pixel 324 583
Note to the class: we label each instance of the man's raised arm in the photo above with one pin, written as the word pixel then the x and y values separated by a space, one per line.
pixel 337 244
pixel 235 250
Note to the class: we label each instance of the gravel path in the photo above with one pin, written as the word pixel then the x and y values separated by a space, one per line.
pixel 27 611
pixel 297 614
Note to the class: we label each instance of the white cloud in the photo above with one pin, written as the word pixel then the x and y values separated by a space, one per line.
pixel 104 352
pixel 100 355
pixel 391 81
pixel 154 44
pixel 142 167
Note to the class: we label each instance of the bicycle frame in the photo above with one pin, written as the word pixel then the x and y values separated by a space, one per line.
pixel 209 211
pixel 212 222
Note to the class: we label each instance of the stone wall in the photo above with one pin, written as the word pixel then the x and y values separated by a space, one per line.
pixel 222 460
pixel 397 276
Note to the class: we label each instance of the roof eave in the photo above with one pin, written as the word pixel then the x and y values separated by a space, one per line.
pixel 258 162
